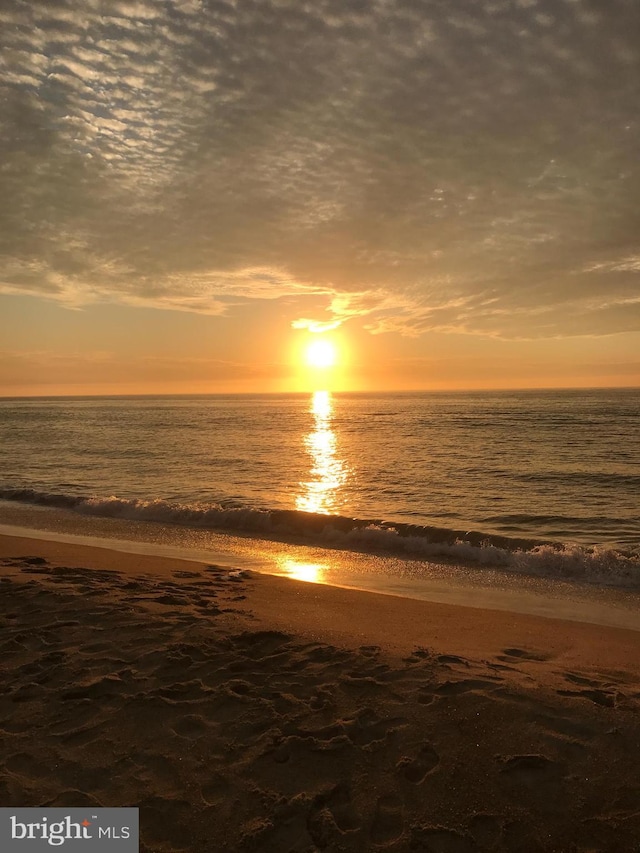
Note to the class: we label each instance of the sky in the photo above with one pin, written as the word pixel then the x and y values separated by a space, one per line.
pixel 192 190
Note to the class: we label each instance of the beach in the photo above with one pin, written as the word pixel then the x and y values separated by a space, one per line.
pixel 245 712
pixel 320 426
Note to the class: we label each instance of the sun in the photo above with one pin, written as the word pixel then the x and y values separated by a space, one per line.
pixel 321 354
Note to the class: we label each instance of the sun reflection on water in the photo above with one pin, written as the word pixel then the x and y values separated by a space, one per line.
pixel 309 572
pixel 321 492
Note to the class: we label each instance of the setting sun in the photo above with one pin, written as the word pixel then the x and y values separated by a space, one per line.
pixel 321 354
pixel 322 362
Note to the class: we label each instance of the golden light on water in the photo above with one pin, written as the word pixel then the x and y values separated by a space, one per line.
pixel 300 571
pixel 322 491
pixel 321 407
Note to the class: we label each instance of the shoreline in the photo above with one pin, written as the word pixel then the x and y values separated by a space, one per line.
pixel 241 712
pixel 446 581
pixel 343 615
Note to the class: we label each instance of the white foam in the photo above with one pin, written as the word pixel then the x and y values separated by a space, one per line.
pixel 598 565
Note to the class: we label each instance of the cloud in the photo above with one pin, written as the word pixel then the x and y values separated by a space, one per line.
pixel 416 167
pixel 316 326
pixel 110 280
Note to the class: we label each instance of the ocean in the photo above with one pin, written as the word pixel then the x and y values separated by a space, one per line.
pixel 532 483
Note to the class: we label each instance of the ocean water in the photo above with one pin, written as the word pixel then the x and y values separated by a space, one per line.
pixel 540 483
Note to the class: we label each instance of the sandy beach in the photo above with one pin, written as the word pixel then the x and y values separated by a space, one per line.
pixel 242 712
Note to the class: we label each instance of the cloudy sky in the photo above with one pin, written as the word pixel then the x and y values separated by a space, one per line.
pixel 188 187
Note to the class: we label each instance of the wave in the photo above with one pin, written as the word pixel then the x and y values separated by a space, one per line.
pixel 599 565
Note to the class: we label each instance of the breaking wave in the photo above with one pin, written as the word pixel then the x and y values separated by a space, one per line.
pixel 598 565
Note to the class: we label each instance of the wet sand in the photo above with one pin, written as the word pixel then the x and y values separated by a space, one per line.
pixel 251 713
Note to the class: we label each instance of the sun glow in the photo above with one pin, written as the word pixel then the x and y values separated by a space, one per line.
pixel 321 354
pixel 321 362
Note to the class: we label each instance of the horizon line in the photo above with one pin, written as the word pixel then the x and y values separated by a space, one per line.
pixel 339 393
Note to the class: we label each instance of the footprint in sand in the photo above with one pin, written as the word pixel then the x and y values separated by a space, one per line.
pixel 417 769
pixel 388 822
pixel 27 692
pixel 501 667
pixel 340 805
pixel 323 698
pixel 191 726
pixel 531 770
pixel 600 697
pixel 100 688
pixel 418 655
pixel 576 678
pixel 342 810
pixel 425 696
pixel 259 645
pixel 215 790
pixel 452 659
pixel 367 729
pixel 169 599
pixel 486 831
pixel 26 766
pixel 521 654
pixel 370 651
pixel 455 688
